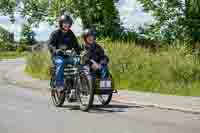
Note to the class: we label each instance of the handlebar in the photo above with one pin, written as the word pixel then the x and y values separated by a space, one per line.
pixel 67 52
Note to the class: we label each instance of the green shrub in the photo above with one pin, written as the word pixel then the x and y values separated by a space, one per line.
pixel 7 46
pixel 22 48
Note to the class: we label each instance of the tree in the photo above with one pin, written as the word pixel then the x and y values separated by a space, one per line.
pixel 6 40
pixel 194 19
pixel 7 7
pixel 6 35
pixel 35 11
pixel 27 35
pixel 175 19
pixel 101 14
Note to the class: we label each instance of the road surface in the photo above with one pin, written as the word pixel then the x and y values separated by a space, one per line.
pixel 25 111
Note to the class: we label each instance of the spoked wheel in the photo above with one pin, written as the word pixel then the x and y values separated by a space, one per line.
pixel 69 88
pixel 57 97
pixel 105 99
pixel 85 92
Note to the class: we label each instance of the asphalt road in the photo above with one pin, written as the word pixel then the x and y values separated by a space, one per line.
pixel 25 111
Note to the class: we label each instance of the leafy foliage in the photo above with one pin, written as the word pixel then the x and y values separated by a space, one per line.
pixel 175 19
pixel 6 40
pixel 102 14
pixel 6 35
pixel 27 35
pixel 35 11
pixel 7 7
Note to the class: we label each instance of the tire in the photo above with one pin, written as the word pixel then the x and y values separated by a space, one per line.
pixel 105 99
pixel 57 98
pixel 85 86
pixel 69 99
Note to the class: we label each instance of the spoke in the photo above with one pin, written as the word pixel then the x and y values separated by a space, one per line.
pixel 84 92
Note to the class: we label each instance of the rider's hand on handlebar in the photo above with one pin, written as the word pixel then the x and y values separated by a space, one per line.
pixel 58 51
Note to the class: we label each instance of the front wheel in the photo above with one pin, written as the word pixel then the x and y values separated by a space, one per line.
pixel 69 87
pixel 58 98
pixel 85 92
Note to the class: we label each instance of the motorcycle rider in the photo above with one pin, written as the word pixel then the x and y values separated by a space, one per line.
pixel 62 36
pixel 97 60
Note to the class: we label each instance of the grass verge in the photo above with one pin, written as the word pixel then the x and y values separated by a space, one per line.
pixel 12 54
pixel 171 70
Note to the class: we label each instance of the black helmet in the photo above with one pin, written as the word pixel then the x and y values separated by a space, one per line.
pixel 88 32
pixel 65 18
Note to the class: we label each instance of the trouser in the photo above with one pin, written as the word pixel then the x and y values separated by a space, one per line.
pixel 102 73
pixel 60 62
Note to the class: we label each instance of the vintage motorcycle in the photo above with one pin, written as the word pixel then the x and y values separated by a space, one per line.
pixel 79 86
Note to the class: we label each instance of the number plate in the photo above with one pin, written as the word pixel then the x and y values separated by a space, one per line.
pixel 105 84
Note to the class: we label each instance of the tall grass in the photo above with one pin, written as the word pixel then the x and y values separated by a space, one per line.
pixel 38 64
pixel 171 70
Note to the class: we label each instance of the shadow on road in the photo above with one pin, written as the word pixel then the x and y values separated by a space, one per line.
pixel 99 109
pixel 112 108
pixel 71 107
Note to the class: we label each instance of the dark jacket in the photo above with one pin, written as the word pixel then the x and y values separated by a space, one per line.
pixel 58 38
pixel 96 53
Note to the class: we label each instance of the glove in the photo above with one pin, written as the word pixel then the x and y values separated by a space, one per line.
pixel 95 66
pixel 52 50
pixel 58 51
